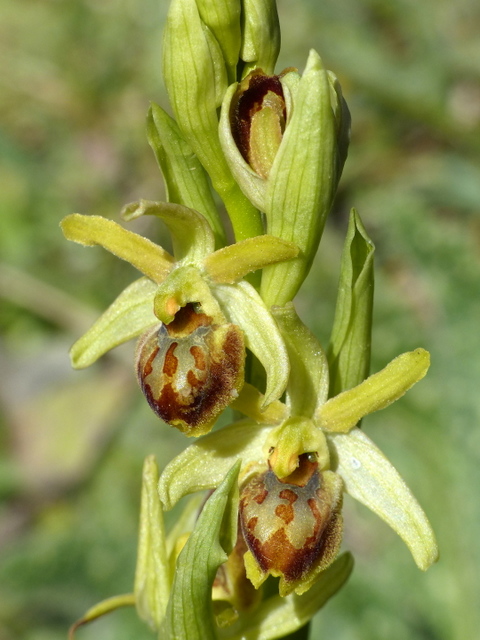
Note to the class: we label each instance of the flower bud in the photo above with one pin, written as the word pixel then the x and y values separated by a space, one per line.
pixel 191 369
pixel 293 526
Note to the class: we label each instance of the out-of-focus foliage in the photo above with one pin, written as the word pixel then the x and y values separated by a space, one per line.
pixel 76 80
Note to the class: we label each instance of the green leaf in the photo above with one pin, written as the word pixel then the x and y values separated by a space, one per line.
pixel 185 179
pixel 152 575
pixel 341 413
pixel 127 317
pixel 308 382
pixel 204 463
pixel 302 181
pixel 189 612
pixel 371 479
pixel 153 261
pixel 232 263
pixel 191 234
pixel 277 616
pixel 243 306
pixel 349 349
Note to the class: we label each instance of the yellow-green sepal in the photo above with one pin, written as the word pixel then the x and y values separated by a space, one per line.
pixel 371 479
pixel 189 613
pixel 342 412
pixel 232 263
pixel 127 317
pixel 204 463
pixel 153 261
pixel 185 178
pixel 350 341
pixel 192 235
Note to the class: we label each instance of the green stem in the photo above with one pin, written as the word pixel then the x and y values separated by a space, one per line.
pixel 246 219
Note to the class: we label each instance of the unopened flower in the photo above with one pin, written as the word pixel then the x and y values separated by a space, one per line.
pixel 198 279
pixel 285 139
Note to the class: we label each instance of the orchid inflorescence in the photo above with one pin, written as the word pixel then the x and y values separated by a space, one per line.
pixel 217 328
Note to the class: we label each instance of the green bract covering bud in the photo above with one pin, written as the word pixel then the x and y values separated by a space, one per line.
pixel 261 35
pixel 285 138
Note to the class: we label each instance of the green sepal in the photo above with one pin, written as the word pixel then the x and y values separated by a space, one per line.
pixel 222 17
pixel 350 341
pixel 189 613
pixel 302 181
pixel 277 616
pixel 152 575
pixel 127 317
pixel 371 479
pixel 232 263
pixel 186 180
pixel 192 236
pixel 204 463
pixel 308 382
pixel 101 609
pixel 243 306
pixel 184 285
pixel 153 261
pixel 261 36
pixel 342 412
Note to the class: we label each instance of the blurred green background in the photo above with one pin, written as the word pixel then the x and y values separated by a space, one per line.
pixel 76 79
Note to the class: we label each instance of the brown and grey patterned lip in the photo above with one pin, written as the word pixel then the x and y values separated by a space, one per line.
pixel 191 369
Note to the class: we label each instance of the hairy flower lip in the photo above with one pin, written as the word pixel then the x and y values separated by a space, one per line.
pixel 191 369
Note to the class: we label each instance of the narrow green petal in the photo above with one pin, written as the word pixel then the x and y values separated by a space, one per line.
pixel 276 617
pixel 186 180
pixel 349 349
pixel 204 463
pixel 191 234
pixel 372 480
pixel 308 383
pixel 144 255
pixel 129 315
pixel 243 306
pixel 232 263
pixel 152 576
pixel 189 612
pixel 343 412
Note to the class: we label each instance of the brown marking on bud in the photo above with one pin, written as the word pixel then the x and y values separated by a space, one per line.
pixel 256 92
pixel 191 369
pixel 296 527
